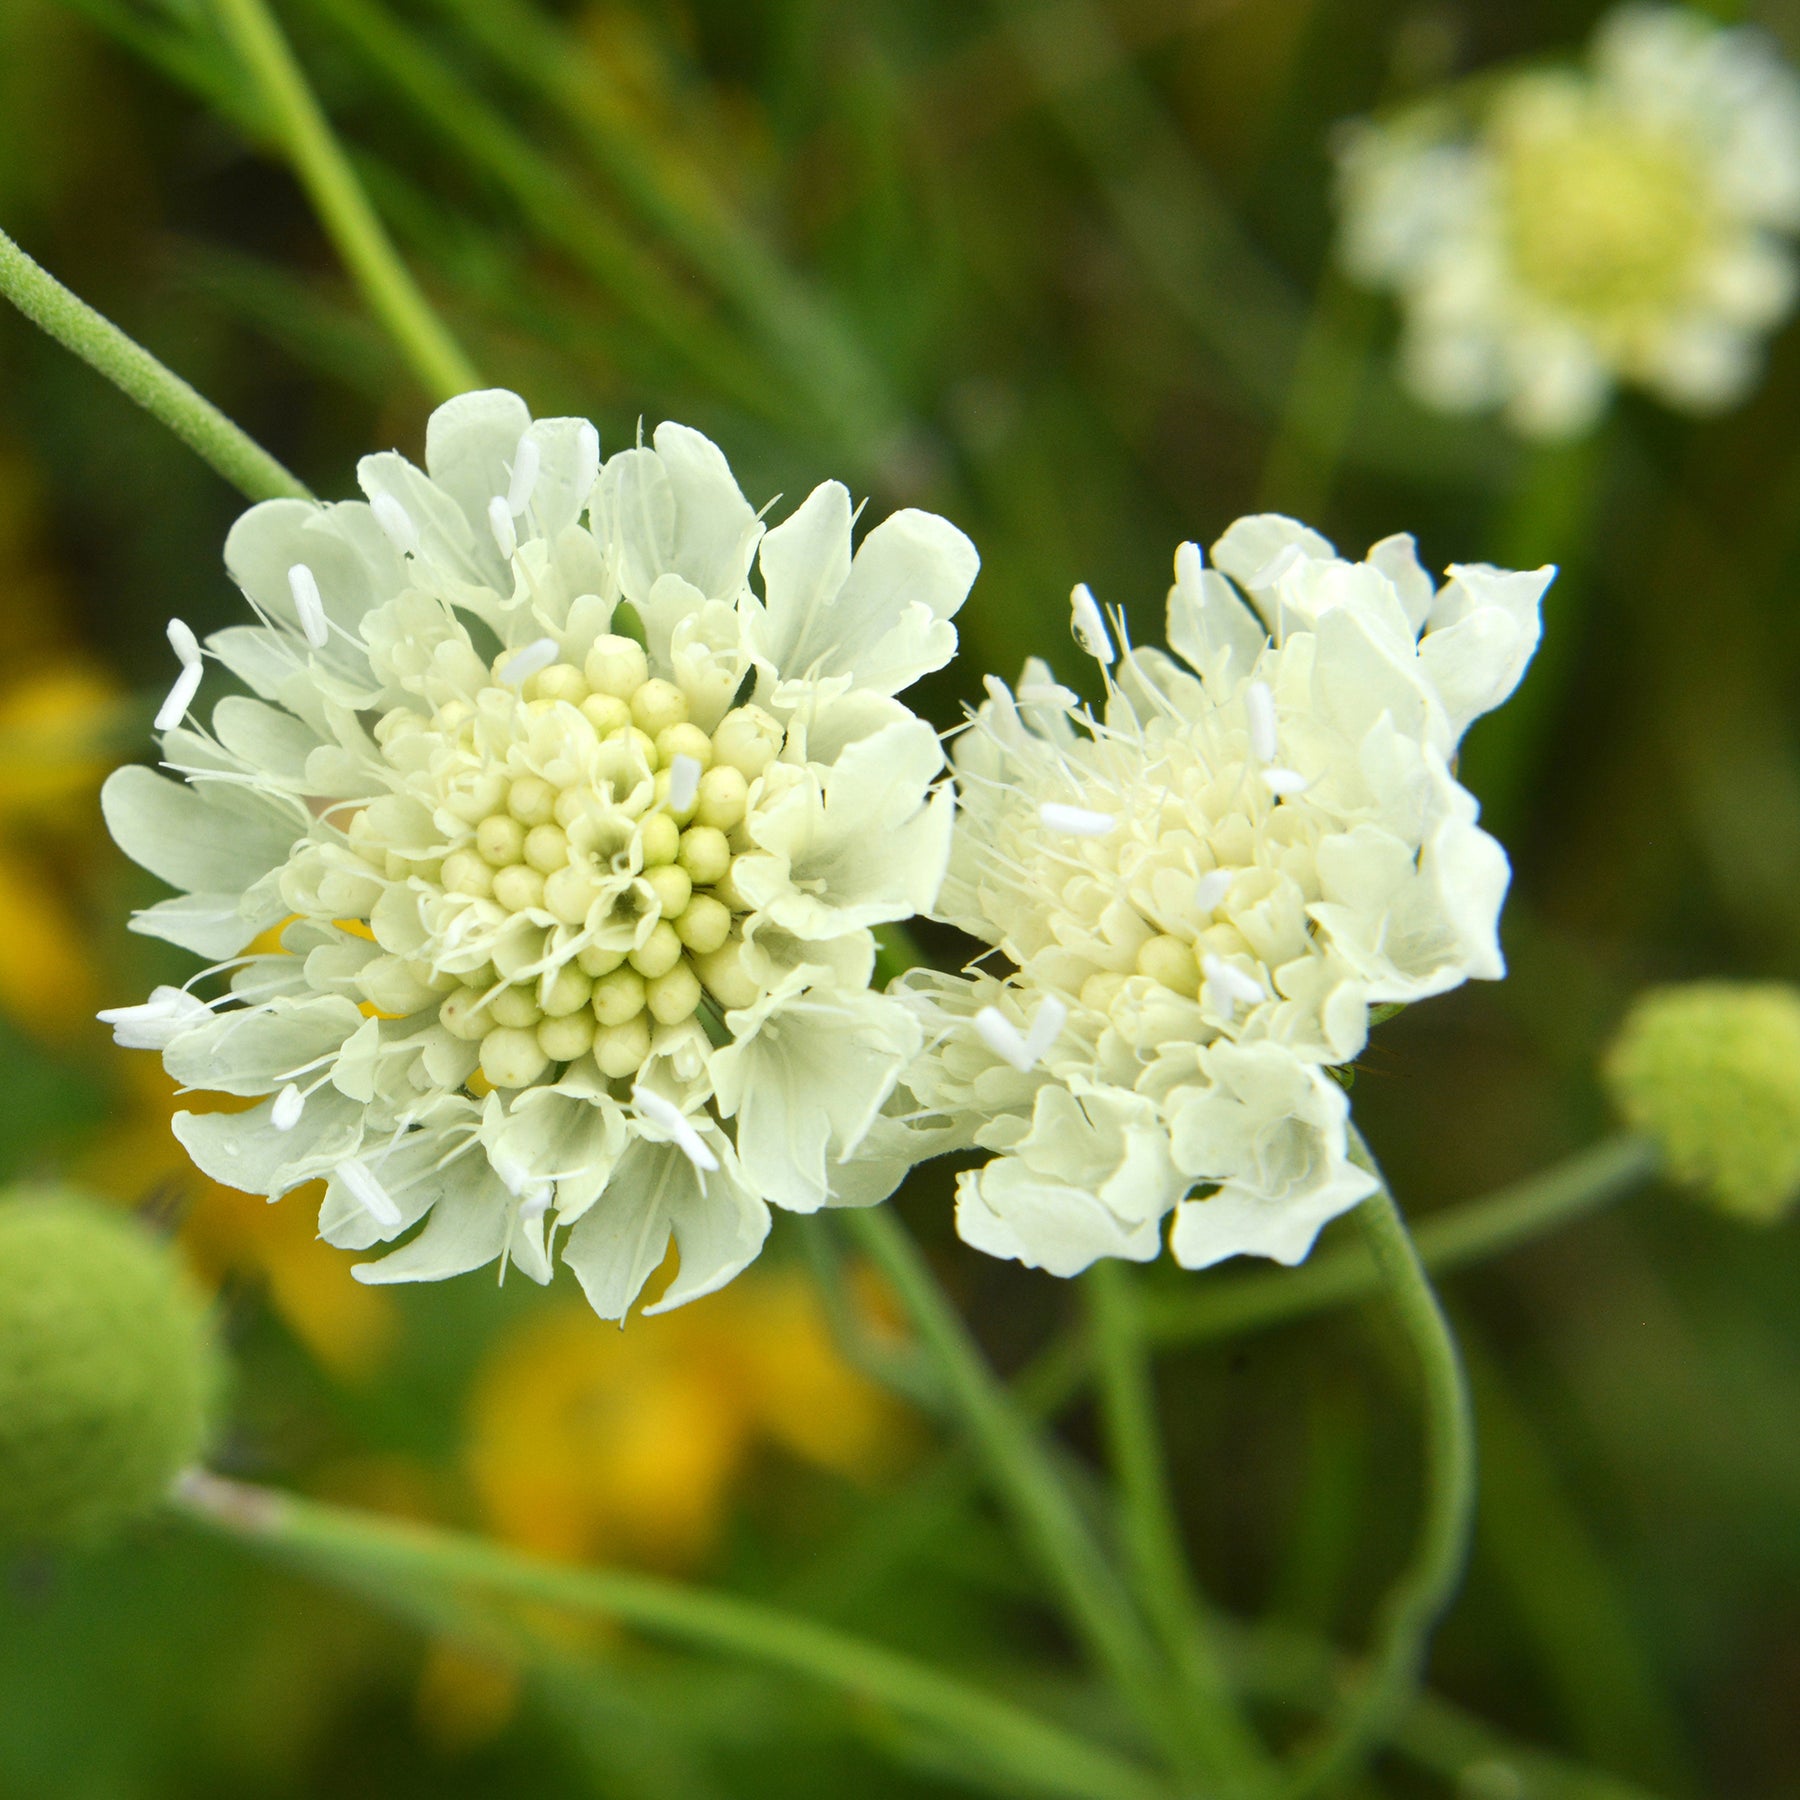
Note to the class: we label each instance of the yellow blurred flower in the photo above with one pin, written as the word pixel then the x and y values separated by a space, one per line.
pixel 589 1443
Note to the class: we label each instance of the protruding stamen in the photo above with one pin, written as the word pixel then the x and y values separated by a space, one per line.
pixel 1046 1028
pixel 1188 566
pixel 1076 821
pixel 181 696
pixel 183 642
pixel 1089 624
pixel 1259 715
pixel 396 523
pixel 1049 693
pixel 665 1115
pixel 526 464
pixel 310 605
pixel 1277 566
pixel 1230 985
pixel 290 1103
pixel 1003 1037
pixel 1283 782
pixel 155 1023
pixel 684 782
pixel 587 440
pixel 533 659
pixel 500 523
pixel 1212 887
pixel 357 1178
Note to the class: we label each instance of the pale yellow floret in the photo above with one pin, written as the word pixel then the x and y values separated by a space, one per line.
pixel 616 666
pixel 515 1007
pixel 607 713
pixel 618 996
pixel 569 892
pixel 500 839
pixel 723 796
pixel 673 997
pixel 595 961
pixel 565 1038
pixel 463 1015
pixel 659 952
pixel 519 888
pixel 747 738
pixel 704 925
pixel 660 838
pixel 672 887
pixel 546 848
pixel 512 1058
pixel 725 976
pixel 620 1049
pixel 1171 962
pixel 532 801
pixel 567 991
pixel 657 705
pixel 561 681
pixel 705 854
pixel 465 873
pixel 684 740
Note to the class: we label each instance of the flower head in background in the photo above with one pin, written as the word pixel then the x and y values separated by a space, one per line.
pixel 1196 898
pixel 575 841
pixel 1628 223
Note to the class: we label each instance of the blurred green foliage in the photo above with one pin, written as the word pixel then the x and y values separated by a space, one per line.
pixel 1056 268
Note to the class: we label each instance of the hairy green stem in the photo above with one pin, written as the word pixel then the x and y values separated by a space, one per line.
pixel 1429 1582
pixel 365 1550
pixel 1151 1532
pixel 1027 1480
pixel 343 208
pixel 140 377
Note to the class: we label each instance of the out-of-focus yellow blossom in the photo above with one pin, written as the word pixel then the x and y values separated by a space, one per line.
pixel 594 1444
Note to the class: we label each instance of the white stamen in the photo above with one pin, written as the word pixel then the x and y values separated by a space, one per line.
pixel 1212 887
pixel 1188 565
pixel 1230 985
pixel 684 782
pixel 1277 566
pixel 1004 1038
pixel 1282 782
pixel 181 696
pixel 183 642
pixel 155 1023
pixel 1077 821
pixel 667 1116
pixel 500 523
pixel 396 522
pixel 997 691
pixel 537 1202
pixel 1048 693
pixel 1046 1028
pixel 290 1103
pixel 304 586
pixel 587 444
pixel 524 476
pixel 532 660
pixel 1088 623
pixel 1259 713
pixel 368 1193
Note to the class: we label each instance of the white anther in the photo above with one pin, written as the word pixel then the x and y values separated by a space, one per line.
pixel 684 782
pixel 359 1182
pixel 1212 887
pixel 396 523
pixel 536 1202
pixel 1277 566
pixel 155 1023
pixel 1259 714
pixel 1188 566
pixel 532 660
pixel 309 604
pixel 1046 1028
pixel 1076 821
pixel 1003 1037
pixel 1230 985
pixel 1088 623
pixel 181 696
pixel 290 1103
pixel 500 523
pixel 1048 693
pixel 1283 782
pixel 665 1115
pixel 523 484
pixel 183 642
pixel 997 690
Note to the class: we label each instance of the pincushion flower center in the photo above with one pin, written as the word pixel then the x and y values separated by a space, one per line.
pixel 575 888
pixel 1605 218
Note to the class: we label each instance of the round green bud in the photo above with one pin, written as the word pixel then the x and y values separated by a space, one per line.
pixel 1711 1072
pixel 108 1369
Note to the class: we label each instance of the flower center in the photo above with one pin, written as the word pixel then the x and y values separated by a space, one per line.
pixel 1604 218
pixel 558 857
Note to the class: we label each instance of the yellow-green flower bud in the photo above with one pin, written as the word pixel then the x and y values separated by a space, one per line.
pixel 1711 1071
pixel 109 1370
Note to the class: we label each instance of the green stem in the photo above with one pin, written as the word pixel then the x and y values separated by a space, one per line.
pixel 1430 1580
pixel 1029 1484
pixel 366 1551
pixel 1151 1531
pixel 140 377
pixel 343 208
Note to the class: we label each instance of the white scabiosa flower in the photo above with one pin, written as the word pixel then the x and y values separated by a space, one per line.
pixel 573 841
pixel 1194 900
pixel 1627 223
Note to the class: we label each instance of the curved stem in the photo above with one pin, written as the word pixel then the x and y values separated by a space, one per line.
pixel 140 377
pixel 367 1551
pixel 1151 1531
pixel 1430 1580
pixel 1028 1482
pixel 343 208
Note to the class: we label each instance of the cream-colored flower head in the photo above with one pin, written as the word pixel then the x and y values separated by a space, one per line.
pixel 1195 899
pixel 1627 223
pixel 573 841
